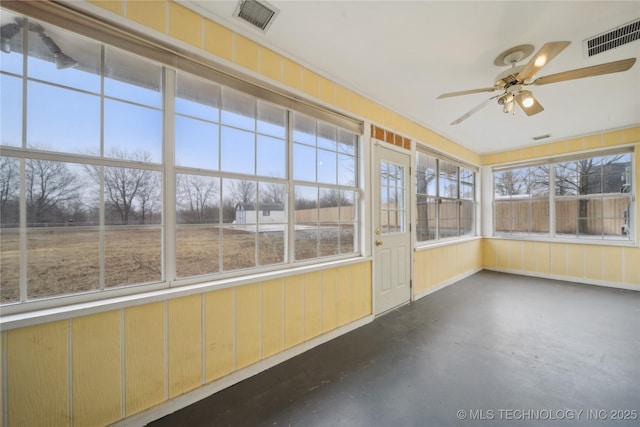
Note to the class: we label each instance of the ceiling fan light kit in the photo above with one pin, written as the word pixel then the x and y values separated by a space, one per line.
pixel 513 80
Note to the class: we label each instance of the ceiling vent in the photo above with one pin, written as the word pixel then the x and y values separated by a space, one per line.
pixel 538 138
pixel 612 39
pixel 259 14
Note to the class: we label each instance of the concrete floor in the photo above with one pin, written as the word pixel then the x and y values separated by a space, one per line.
pixel 492 349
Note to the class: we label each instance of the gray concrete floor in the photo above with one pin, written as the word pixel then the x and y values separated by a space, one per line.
pixel 492 349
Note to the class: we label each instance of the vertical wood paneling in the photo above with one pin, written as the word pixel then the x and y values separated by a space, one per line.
pixel 96 369
pixel 144 356
pixel 575 261
pixel 185 25
pixel 312 305
pixel 593 262
pixel 247 325
pixel 558 256
pixel 152 14
pixel 329 300
pixel 359 300
pixel 631 265
pixel 613 264
pixel 219 333
pixel 184 337
pixel 38 375
pixel 272 311
pixel 293 311
pixel 542 257
pixel 368 288
pixel 345 295
pixel 218 40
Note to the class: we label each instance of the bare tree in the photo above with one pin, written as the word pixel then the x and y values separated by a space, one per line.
pixel 196 194
pixel 273 193
pixel 49 185
pixel 508 183
pixel 124 187
pixel 9 186
pixel 242 191
pixel 148 196
pixel 333 197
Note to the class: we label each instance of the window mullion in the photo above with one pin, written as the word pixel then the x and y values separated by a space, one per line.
pixel 552 200
pixel 169 200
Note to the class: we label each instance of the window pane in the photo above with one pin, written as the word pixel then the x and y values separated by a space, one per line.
pixel 239 201
pixel 9 264
pixel 328 239
pixel 198 199
pixel 197 250
pixel 346 170
pixel 271 120
pixel 426 227
pixel 132 255
pixel 238 247
pixel 467 184
pixel 347 142
pixel 448 220
pixel 134 128
pixel 238 109
pixel 197 143
pixel 13 35
pixel 466 218
pixel 448 180
pixel 271 157
pixel 238 151
pixel 347 238
pixel 306 241
pixel 304 163
pixel 132 196
pixel 271 242
pixel 304 129
pixel 306 204
pixel 11 107
pixel 327 172
pixel 502 217
pixel 348 207
pixel 132 79
pixel 327 135
pixel 9 192
pixel 62 120
pixel 77 65
pixel 62 260
pixel 56 194
pixel 426 175
pixel 197 98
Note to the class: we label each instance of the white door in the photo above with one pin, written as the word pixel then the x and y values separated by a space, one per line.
pixel 392 238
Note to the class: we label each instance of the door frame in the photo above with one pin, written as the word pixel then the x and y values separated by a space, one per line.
pixel 377 145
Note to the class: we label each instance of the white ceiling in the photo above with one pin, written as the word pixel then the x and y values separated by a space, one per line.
pixel 403 54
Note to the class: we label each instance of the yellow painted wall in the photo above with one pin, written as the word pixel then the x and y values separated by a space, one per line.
pixel 439 265
pixel 605 264
pixel 94 368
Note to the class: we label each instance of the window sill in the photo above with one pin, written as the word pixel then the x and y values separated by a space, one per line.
pixel 576 241
pixel 439 243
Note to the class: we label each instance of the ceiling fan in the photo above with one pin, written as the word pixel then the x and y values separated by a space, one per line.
pixel 512 83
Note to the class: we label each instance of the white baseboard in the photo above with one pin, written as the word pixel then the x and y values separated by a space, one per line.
pixel 179 402
pixel 567 278
pixel 446 283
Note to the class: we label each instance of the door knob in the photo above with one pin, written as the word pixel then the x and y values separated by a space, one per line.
pixel 378 242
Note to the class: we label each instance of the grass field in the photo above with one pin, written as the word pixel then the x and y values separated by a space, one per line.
pixel 67 260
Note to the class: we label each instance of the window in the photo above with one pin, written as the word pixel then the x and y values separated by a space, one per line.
pixel 586 197
pixel 325 188
pixel 445 199
pixel 86 164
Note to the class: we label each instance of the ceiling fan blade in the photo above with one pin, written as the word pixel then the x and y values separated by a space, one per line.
pixel 595 70
pixel 541 58
pixel 525 98
pixel 466 92
pixel 476 109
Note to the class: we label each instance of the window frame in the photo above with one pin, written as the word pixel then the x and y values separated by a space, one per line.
pixel 553 235
pixel 438 198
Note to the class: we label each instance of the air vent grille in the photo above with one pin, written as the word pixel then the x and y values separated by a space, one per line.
pixel 612 39
pixel 539 137
pixel 260 14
